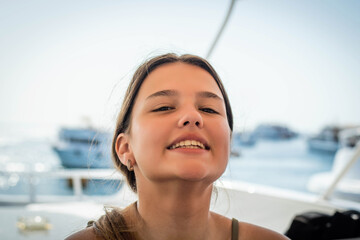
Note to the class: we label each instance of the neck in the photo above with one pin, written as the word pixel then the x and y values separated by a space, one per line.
pixel 177 210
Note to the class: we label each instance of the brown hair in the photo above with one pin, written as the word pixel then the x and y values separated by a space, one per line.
pixel 123 119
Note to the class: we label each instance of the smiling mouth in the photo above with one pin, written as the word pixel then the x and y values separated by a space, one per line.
pixel 193 144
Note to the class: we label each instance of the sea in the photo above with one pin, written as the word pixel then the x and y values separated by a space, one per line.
pixel 287 164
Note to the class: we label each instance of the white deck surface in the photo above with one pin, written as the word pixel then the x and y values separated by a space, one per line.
pixel 64 219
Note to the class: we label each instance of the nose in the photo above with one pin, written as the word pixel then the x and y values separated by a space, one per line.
pixel 191 118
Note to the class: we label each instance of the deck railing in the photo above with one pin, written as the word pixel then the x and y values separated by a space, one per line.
pixel 74 175
pixel 340 175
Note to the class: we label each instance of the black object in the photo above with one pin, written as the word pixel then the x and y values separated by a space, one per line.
pixel 320 226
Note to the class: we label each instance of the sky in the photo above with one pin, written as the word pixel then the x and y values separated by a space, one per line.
pixel 296 63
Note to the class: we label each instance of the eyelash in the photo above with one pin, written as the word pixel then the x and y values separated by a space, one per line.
pixel 208 110
pixel 162 109
pixel 168 108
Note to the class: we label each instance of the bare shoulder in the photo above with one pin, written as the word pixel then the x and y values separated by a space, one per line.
pixel 253 232
pixel 87 233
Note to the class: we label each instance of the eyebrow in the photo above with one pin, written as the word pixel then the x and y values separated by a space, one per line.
pixel 172 93
pixel 163 93
pixel 206 94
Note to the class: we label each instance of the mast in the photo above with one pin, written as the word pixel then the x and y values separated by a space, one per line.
pixel 221 29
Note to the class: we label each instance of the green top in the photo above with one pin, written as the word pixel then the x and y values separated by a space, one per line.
pixel 234 229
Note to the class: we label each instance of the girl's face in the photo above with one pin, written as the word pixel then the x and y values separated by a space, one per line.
pixel 179 127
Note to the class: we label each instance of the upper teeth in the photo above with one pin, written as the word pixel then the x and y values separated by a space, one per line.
pixel 188 144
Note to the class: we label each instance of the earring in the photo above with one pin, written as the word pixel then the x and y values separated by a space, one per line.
pixel 129 166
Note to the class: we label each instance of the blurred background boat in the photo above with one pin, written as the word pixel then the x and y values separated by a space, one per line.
pixel 273 132
pixel 83 148
pixel 246 139
pixel 263 132
pixel 325 141
pixel 328 139
pixel 343 167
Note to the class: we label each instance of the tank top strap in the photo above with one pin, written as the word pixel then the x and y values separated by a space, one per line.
pixel 90 223
pixel 234 229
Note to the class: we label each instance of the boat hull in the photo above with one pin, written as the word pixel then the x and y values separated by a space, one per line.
pixel 75 158
pixel 83 148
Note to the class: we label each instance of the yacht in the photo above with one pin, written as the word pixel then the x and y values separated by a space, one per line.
pixel 344 166
pixel 326 141
pixel 83 148
pixel 247 139
pixel 273 132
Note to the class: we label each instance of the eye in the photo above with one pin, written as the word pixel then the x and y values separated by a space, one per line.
pixel 163 109
pixel 208 110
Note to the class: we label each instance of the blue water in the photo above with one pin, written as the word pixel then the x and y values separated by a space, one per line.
pixel 285 164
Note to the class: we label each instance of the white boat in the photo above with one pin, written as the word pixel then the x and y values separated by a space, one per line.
pixel 83 148
pixel 246 139
pixel 346 164
pixel 326 141
pixel 273 132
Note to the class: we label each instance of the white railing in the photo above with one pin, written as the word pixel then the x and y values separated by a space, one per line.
pixel 74 175
pixel 340 175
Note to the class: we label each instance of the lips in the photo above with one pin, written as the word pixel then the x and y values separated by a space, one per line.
pixel 193 142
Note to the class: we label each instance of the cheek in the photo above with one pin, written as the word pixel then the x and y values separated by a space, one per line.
pixel 222 133
pixel 222 137
pixel 148 139
pixel 148 146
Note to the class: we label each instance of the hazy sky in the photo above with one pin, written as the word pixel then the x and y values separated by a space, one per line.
pixel 290 62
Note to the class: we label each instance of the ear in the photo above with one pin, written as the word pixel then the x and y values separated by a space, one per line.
pixel 123 149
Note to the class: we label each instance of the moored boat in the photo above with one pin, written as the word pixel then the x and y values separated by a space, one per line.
pixel 273 132
pixel 346 166
pixel 326 141
pixel 83 148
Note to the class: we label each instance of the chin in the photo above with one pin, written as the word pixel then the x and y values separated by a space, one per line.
pixel 197 175
pixel 192 177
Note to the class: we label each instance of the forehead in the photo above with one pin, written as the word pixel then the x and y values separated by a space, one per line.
pixel 180 77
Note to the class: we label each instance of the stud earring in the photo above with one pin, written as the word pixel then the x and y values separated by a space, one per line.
pixel 129 165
